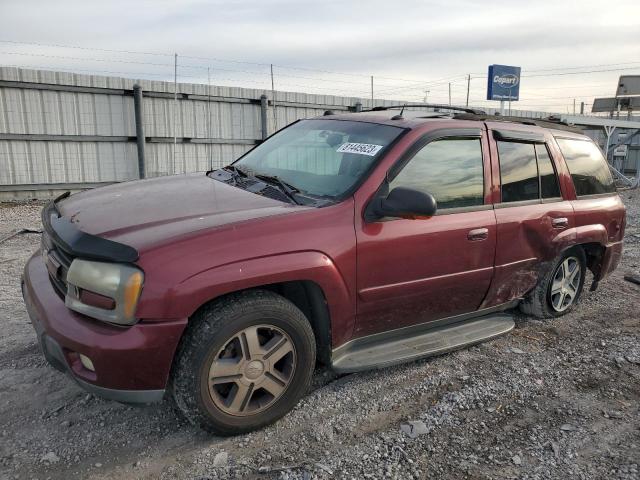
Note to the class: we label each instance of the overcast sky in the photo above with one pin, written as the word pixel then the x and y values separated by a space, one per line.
pixel 408 46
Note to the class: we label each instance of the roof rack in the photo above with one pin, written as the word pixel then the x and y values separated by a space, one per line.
pixel 426 105
pixel 549 122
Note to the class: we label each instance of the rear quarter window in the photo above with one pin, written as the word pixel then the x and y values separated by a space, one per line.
pixel 588 167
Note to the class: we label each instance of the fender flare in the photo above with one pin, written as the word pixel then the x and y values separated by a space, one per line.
pixel 189 295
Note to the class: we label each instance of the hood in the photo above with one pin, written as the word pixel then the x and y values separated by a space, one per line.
pixel 149 212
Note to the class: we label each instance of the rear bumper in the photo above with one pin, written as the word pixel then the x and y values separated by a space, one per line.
pixel 132 364
pixel 610 260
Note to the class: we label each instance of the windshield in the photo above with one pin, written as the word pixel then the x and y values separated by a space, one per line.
pixel 322 158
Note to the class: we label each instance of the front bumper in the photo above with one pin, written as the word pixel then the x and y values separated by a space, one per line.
pixel 132 364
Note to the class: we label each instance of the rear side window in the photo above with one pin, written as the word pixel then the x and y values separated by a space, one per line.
pixel 548 179
pixel 588 168
pixel 450 170
pixel 518 171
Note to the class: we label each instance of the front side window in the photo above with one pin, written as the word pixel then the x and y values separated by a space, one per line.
pixel 322 158
pixel 587 165
pixel 518 171
pixel 449 169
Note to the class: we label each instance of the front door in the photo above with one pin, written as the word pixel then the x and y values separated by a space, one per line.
pixel 416 271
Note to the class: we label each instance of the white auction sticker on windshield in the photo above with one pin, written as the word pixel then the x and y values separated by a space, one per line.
pixel 360 148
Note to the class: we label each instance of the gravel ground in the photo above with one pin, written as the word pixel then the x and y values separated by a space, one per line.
pixel 554 399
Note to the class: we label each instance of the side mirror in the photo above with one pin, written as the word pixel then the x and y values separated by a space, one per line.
pixel 406 203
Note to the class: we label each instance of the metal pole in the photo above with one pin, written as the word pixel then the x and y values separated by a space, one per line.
pixel 468 87
pixel 509 101
pixel 175 110
pixel 358 106
pixel 209 136
pixel 273 100
pixel 449 94
pixel 139 116
pixel 609 132
pixel 263 116
pixel 581 108
pixel 574 106
pixel 371 91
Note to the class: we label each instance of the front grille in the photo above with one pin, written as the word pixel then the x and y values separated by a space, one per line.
pixel 57 262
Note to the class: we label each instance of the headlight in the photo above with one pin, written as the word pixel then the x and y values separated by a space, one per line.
pixel 105 291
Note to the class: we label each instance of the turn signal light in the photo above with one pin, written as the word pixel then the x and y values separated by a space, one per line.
pixel 96 300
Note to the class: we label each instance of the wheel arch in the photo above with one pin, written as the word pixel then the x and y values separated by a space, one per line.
pixel 309 297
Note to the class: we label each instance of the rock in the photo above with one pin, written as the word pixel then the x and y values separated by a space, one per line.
pixel 65 423
pixel 221 459
pixel 517 350
pixel 50 457
pixel 567 427
pixel 615 414
pixel 414 428
pixel 98 465
pixel 516 460
pixel 321 466
pixel 633 359
pixel 556 449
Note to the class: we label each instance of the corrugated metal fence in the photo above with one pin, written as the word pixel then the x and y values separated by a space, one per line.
pixel 62 131
pixel 65 131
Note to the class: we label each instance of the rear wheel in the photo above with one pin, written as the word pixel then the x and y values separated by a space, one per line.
pixel 244 362
pixel 559 290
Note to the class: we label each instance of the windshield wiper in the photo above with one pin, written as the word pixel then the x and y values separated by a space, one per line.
pixel 289 190
pixel 237 170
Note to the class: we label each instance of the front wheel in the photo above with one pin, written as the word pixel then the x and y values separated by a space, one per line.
pixel 244 362
pixel 559 290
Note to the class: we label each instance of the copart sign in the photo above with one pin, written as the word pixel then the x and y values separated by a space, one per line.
pixel 503 83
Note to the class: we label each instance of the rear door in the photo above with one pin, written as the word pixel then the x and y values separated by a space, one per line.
pixel 415 271
pixel 532 213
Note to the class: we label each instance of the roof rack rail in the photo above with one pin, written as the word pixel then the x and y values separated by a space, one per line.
pixel 551 121
pixel 426 105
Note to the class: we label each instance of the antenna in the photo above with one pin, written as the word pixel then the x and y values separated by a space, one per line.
pixel 399 116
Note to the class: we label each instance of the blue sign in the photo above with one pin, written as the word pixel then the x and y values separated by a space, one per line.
pixel 503 83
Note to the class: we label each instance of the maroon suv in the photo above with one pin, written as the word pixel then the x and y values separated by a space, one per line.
pixel 360 240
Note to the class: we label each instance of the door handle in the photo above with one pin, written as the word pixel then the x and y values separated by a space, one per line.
pixel 562 222
pixel 478 234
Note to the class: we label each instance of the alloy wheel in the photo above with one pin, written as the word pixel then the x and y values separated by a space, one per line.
pixel 565 284
pixel 252 370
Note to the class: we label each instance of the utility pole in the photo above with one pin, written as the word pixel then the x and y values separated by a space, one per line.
pixel 175 110
pixel 574 106
pixel 209 149
pixel 468 87
pixel 449 93
pixel 581 108
pixel 273 99
pixel 371 91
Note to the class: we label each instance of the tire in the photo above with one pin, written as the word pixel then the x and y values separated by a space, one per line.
pixel 259 348
pixel 541 303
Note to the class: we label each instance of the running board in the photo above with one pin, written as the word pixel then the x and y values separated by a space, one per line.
pixel 391 348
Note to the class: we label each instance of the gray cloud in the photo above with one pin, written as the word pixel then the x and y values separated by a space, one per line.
pixel 405 39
